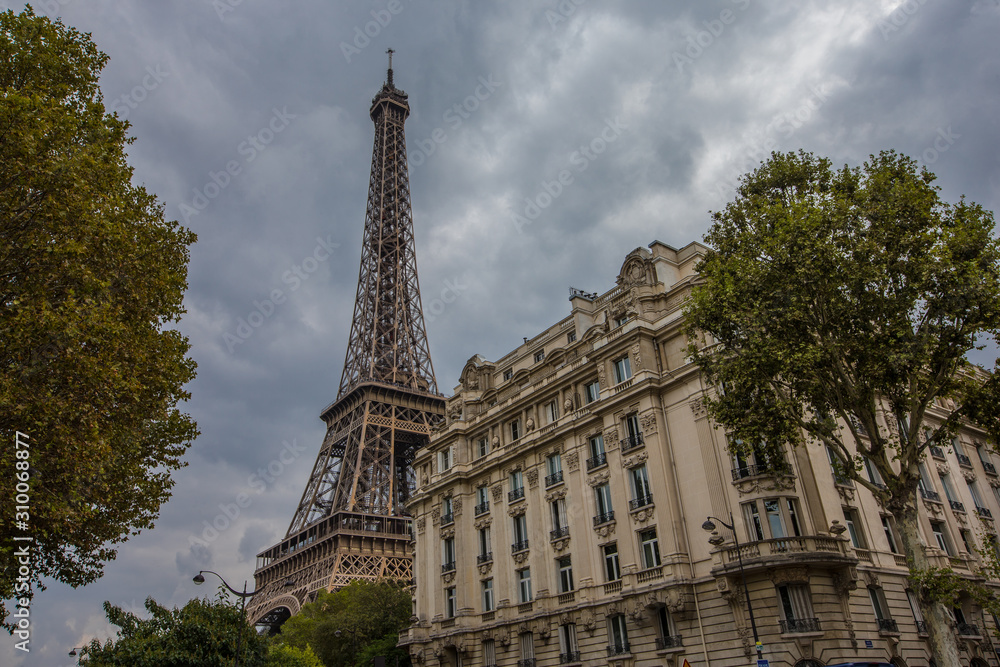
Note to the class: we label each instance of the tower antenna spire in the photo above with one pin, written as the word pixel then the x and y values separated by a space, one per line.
pixel 390 52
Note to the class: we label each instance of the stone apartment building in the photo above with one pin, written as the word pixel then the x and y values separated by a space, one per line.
pixel 558 517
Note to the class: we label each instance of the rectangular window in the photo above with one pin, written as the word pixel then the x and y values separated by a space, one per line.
pixel 527 643
pixel 482 500
pixel 650 548
pixel 641 494
pixel 515 429
pixel 853 522
pixel 539 356
pixel 446 508
pixel 611 568
pixel 553 464
pixel 772 518
pixel 565 571
pixel 557 509
pixel 571 337
pixel 618 635
pixel 959 448
pixel 937 527
pixel 967 541
pixel 796 605
pixel 592 391
pixel 444 460
pixel 665 626
pixel 448 554
pixel 516 480
pixel 520 529
pixel 568 648
pixel 621 320
pixel 623 369
pixel 489 653
pixel 949 492
pixel 974 492
pixel 754 525
pixel 890 534
pixel 551 412
pixel 873 475
pixel 487 585
pixel 632 430
pixel 482 446
pixel 924 483
pixel 879 606
pixel 508 374
pixel 597 455
pixel 602 496
pixel 524 585
pixel 839 468
pixel 485 544
pixel 449 602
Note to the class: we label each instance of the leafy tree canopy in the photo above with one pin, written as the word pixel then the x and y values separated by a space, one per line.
pixel 368 616
pixel 203 633
pixel 840 307
pixel 91 278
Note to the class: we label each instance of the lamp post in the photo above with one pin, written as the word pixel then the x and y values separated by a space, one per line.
pixel 73 651
pixel 354 643
pixel 716 540
pixel 200 579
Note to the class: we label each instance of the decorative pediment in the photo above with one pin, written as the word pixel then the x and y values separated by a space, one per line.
pixel 517 510
pixel 555 495
pixel 642 516
pixel 599 478
pixel 561 544
pixel 633 461
pixel 605 530
pixel 483 523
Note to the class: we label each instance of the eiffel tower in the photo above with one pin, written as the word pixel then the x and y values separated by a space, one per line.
pixel 351 522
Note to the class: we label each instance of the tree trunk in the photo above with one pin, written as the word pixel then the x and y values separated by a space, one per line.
pixel 944 645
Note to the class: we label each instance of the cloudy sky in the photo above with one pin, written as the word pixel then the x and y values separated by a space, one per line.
pixel 653 108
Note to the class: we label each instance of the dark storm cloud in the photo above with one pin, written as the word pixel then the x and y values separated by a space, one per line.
pixel 255 117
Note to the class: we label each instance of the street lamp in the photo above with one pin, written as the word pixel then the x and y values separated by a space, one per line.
pixel 716 540
pixel 73 651
pixel 354 643
pixel 200 579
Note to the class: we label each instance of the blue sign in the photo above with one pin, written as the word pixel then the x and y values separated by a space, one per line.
pixel 868 643
pixel 762 662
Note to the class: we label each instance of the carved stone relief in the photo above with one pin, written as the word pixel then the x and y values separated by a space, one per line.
pixel 573 461
pixel 456 506
pixel 447 532
pixel 605 530
pixel 483 523
pixel 648 422
pixel 643 515
pixel 633 461
pixel 765 484
pixel 449 577
pixel 611 438
pixel 435 515
pixel 969 475
pixel 421 524
pixel 601 375
pixel 636 359
pixel 485 568
pixel 560 544
pixel 698 408
pixel 943 468
pixel 599 478
pixel 497 493
pixel 517 510
pixel 788 575
pixel 521 557
pixel 555 495
pixel 532 475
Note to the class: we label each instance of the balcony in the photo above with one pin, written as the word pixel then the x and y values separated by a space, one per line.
pixel 964 460
pixel 566 658
pixel 673 641
pixel 554 478
pixel 448 567
pixel 597 461
pixel 518 547
pixel 559 532
pixel 957 506
pixel 447 519
pixel 742 472
pixel 967 630
pixel 525 608
pixel 983 512
pixel 640 502
pixel 649 574
pixel 793 626
pixel 515 494
pixel 785 551
pixel 618 649
pixel 887 626
pixel 567 598
pixel 607 517
pixel 484 558
pixel 921 627
pixel 989 468
pixel 613 587
pixel 930 495
pixel 631 442
pixel 529 662
pixel 482 508
pixel 937 452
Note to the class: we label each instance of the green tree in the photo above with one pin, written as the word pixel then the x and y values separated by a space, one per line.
pixel 284 655
pixel 91 278
pixel 835 297
pixel 203 633
pixel 353 624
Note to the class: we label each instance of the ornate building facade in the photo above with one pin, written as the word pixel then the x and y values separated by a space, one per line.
pixel 558 514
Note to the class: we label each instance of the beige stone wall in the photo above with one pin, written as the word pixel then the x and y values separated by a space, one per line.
pixel 690 476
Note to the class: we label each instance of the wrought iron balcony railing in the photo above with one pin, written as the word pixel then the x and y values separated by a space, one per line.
pixel 967 630
pixel 930 495
pixel 528 662
pixel 484 558
pixel 964 460
pixel 757 470
pixel 448 567
pixel 888 625
pixel 937 452
pixel 597 461
pixel 631 442
pixel 604 518
pixel 673 641
pixel 989 468
pixel 515 494
pixel 517 547
pixel 566 658
pixel 797 625
pixel 957 506
pixel 447 519
pixel 619 649
pixel 921 627
pixel 557 533
pixel 482 508
pixel 554 478
pixel 640 502
pixel 982 511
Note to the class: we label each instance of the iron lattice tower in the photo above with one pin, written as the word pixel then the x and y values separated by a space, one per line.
pixel 351 521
